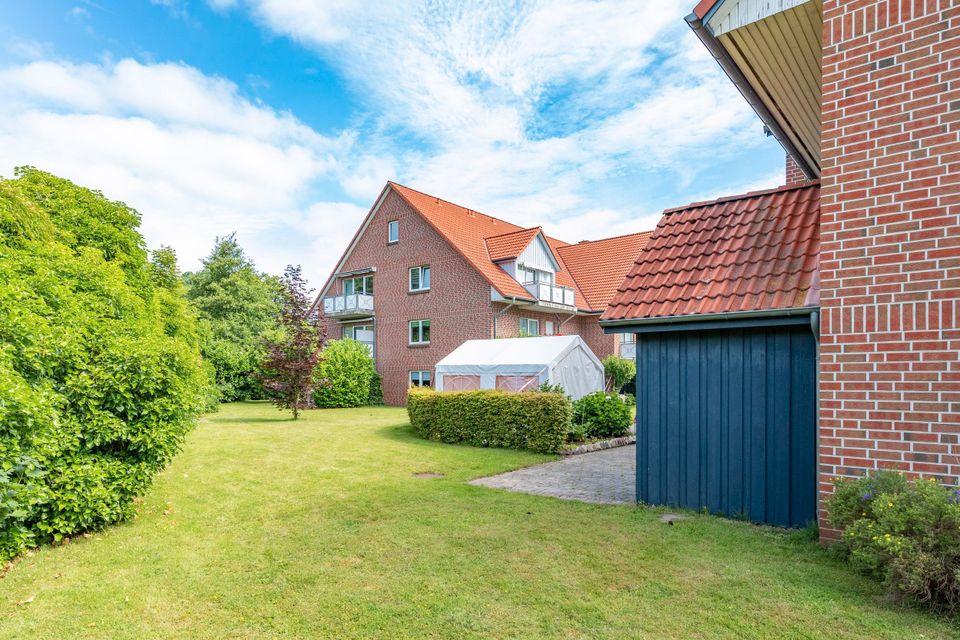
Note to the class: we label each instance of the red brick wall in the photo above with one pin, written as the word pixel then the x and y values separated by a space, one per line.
pixel 890 261
pixel 794 173
pixel 587 327
pixel 457 305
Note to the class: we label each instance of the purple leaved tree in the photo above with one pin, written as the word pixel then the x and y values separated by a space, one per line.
pixel 291 359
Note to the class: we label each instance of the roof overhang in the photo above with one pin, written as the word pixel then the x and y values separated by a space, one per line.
pixel 699 322
pixel 772 51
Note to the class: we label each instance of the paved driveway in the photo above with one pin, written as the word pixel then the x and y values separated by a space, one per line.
pixel 606 477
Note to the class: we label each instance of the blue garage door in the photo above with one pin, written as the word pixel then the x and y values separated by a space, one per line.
pixel 726 421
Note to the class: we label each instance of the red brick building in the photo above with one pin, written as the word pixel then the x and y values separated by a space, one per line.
pixel 422 275
pixel 864 95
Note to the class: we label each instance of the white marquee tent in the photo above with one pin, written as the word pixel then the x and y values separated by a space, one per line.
pixel 522 364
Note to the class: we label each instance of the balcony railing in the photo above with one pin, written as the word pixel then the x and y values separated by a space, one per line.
pixel 551 293
pixel 348 305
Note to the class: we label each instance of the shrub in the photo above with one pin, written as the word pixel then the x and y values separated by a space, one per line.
pixel 376 390
pixel 905 533
pixel 619 370
pixel 546 387
pixel 490 418
pixel 100 369
pixel 343 375
pixel 603 415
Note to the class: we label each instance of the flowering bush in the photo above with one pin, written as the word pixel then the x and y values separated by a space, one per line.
pixel 602 415
pixel 906 533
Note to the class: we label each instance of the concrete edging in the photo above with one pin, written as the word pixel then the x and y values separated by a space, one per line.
pixel 600 446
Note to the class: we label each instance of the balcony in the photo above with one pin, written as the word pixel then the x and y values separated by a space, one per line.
pixel 551 294
pixel 345 307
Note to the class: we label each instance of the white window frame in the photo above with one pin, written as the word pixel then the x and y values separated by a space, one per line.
pixel 420 326
pixel 419 376
pixel 549 328
pixel 393 231
pixel 628 338
pixel 359 327
pixel 423 270
pixel 352 281
pixel 525 325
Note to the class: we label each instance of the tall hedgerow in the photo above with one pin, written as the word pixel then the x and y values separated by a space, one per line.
pixel 100 370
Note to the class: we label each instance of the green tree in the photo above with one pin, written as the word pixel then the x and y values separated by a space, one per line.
pixel 292 356
pixel 344 375
pixel 100 370
pixel 238 308
pixel 619 371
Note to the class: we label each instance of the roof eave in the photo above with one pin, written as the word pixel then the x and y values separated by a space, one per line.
pixel 697 22
pixel 619 325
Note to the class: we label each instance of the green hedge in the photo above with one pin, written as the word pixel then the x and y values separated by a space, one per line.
pixel 488 418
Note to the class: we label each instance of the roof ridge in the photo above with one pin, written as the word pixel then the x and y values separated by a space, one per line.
pixel 429 195
pixel 744 196
pixel 510 233
pixel 623 235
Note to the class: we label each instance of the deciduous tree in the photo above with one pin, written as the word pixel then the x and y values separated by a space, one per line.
pixel 291 359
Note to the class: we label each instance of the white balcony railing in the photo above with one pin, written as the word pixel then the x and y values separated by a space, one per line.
pixel 551 293
pixel 354 304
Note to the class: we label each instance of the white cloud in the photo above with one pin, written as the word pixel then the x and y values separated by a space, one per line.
pixel 526 110
pixel 193 156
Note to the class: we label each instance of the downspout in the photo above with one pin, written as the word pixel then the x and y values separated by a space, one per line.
pixel 753 99
pixel 815 328
pixel 513 301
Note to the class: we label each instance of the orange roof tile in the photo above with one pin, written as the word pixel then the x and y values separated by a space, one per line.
pixel 481 239
pixel 598 266
pixel 510 245
pixel 758 251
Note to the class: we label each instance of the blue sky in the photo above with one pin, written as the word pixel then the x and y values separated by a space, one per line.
pixel 282 119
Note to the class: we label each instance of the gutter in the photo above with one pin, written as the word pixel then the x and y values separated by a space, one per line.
pixel 610 325
pixel 736 76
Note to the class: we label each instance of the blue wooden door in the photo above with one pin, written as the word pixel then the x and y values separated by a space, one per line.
pixel 726 420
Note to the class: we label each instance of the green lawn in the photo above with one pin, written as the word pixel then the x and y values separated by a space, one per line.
pixel 264 527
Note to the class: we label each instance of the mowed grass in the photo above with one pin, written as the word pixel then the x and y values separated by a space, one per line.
pixel 264 527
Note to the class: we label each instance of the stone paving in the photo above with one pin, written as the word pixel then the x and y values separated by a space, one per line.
pixel 606 477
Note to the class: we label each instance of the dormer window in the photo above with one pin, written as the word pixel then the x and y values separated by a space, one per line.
pixel 527 274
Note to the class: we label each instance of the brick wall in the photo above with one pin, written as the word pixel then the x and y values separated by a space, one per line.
pixel 457 305
pixel 890 233
pixel 794 173
pixel 587 327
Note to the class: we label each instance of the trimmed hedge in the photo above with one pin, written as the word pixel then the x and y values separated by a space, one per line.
pixel 344 375
pixel 488 418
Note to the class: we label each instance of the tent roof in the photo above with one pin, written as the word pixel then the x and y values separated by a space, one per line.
pixel 511 351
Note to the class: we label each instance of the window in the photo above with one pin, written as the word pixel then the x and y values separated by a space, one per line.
pixel 529 327
pixel 529 274
pixel 393 231
pixel 628 338
pixel 360 284
pixel 357 331
pixel 419 332
pixel 419 278
pixel 419 378
pixel 548 328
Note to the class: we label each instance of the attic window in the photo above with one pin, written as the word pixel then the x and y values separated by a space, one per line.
pixel 393 231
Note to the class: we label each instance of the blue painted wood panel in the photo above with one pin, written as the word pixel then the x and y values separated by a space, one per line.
pixel 726 420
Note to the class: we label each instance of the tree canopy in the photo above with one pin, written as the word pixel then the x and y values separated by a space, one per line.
pixel 100 370
pixel 238 308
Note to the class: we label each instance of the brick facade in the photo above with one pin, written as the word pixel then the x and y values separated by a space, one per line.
pixel 794 174
pixel 890 233
pixel 458 303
